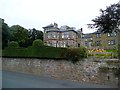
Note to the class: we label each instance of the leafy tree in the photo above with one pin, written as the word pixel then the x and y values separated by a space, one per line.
pixel 19 34
pixel 36 34
pixel 108 22
pixel 33 35
pixel 109 19
pixel 5 34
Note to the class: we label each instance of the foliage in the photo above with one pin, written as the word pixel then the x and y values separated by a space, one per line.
pixel 117 72
pixel 75 54
pixel 109 19
pixel 13 44
pixel 19 34
pixel 36 34
pixel 119 51
pixel 103 69
pixel 5 34
pixel 34 52
pixel 37 42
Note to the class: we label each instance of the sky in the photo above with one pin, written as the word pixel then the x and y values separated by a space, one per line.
pixel 39 13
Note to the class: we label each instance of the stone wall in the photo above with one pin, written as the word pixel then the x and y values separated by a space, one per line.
pixel 85 71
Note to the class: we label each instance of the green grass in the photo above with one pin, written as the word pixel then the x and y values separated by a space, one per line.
pixel 113 50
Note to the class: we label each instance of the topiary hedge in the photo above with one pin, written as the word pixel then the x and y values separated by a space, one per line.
pixel 34 52
pixel 37 42
pixel 119 51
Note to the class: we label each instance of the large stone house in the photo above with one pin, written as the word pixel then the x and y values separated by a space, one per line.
pixel 64 36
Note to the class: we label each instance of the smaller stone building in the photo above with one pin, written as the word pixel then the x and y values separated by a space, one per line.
pixel 102 40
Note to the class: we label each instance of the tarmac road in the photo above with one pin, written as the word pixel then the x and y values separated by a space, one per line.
pixel 21 80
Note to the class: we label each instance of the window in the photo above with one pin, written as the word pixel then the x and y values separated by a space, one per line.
pixel 91 38
pixel 108 42
pixel 54 36
pixel 112 34
pixel 108 34
pixel 111 42
pixel 98 35
pixel 63 44
pixel 48 36
pixel 115 34
pixel 98 43
pixel 62 36
pixel 67 36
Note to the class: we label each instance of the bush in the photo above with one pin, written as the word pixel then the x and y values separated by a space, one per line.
pixel 104 69
pixel 76 54
pixel 37 42
pixel 13 44
pixel 119 51
pixel 117 72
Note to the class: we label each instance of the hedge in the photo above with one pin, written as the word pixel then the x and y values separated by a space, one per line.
pixel 34 52
pixel 46 52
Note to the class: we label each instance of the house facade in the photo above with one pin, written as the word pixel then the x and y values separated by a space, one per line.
pixel 64 36
pixel 102 40
pixel 87 40
pixel 106 40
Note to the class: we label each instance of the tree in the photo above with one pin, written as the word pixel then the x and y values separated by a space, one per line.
pixel 108 22
pixel 19 34
pixel 5 34
pixel 109 19
pixel 36 34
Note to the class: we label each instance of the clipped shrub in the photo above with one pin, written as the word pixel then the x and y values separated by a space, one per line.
pixel 117 72
pixel 119 51
pixel 13 44
pixel 76 54
pixel 104 69
pixel 37 42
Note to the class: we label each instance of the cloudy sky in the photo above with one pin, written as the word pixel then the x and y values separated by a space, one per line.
pixel 39 13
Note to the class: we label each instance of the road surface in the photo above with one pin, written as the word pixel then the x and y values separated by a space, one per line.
pixel 20 80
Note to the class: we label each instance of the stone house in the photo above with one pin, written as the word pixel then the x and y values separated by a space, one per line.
pixel 64 36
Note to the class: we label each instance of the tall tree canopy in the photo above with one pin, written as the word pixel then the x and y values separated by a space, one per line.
pixel 19 34
pixel 36 34
pixel 5 34
pixel 107 22
pixel 109 19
